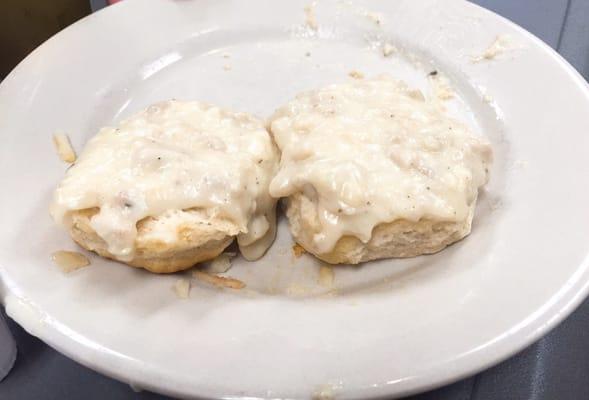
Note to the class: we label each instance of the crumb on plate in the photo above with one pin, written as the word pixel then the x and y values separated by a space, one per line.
pixel 218 281
pixel 221 263
pixel 388 49
pixel 416 94
pixel 64 147
pixel 441 86
pixel 69 261
pixel 324 392
pixel 500 45
pixel 298 250
pixel 182 288
pixel 356 74
pixel 374 17
pixel 310 17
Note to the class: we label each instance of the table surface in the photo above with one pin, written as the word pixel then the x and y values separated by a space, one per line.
pixel 555 367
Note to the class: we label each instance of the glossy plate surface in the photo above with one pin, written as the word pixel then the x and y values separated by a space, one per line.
pixel 387 328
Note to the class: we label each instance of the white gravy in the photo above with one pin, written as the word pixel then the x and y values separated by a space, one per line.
pixel 174 156
pixel 374 151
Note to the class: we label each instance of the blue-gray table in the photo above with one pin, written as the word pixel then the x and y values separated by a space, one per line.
pixel 555 367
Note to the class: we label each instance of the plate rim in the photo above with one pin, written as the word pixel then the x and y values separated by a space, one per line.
pixel 564 305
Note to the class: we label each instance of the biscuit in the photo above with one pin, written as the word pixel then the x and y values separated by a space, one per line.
pixel 172 186
pixel 373 169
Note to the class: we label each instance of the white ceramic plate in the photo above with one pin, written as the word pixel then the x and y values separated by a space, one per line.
pixel 388 328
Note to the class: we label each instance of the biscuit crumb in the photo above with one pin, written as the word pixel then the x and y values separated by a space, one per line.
pixel 298 250
pixel 502 44
pixel 64 148
pixel 182 288
pixel 218 281
pixel 356 74
pixel 374 17
pixel 388 49
pixel 69 261
pixel 326 275
pixel 324 392
pixel 441 86
pixel 416 94
pixel 226 55
pixel 220 264
pixel 227 67
pixel 310 17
